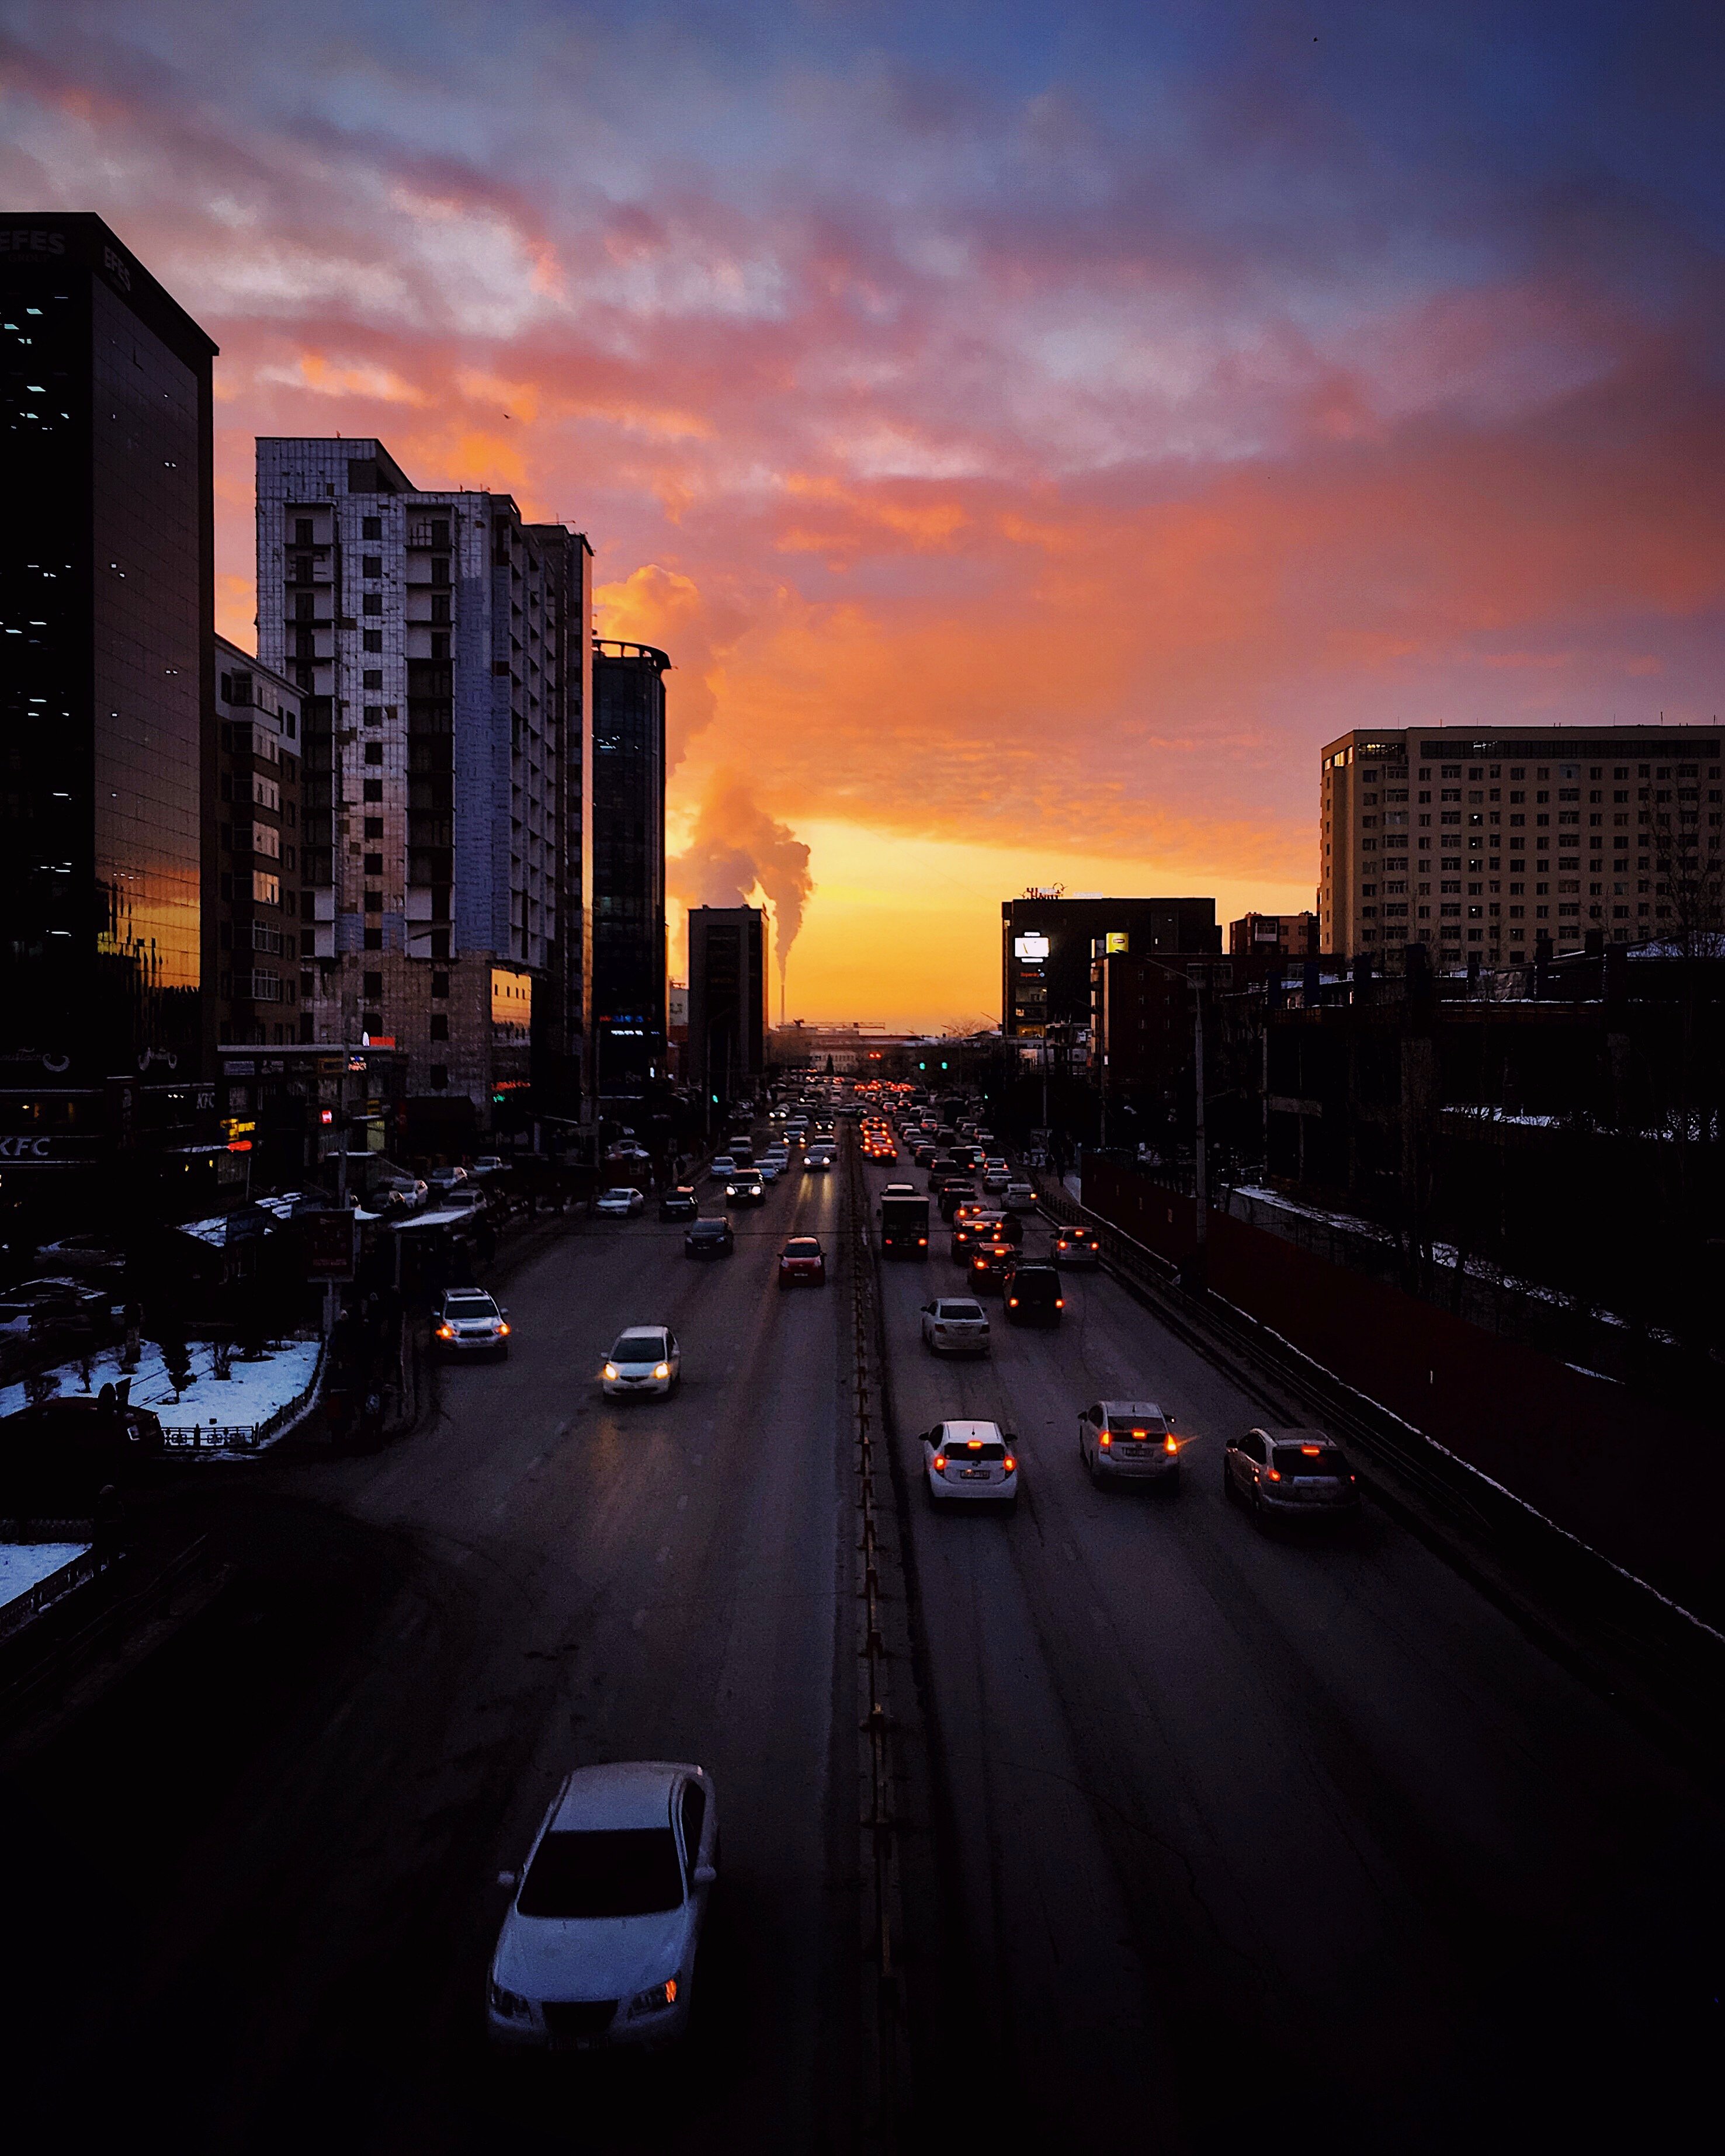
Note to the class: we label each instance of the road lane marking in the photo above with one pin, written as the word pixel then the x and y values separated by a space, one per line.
pixel 500 1507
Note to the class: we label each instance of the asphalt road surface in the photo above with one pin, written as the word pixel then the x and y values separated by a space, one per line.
pixel 1260 1834
pixel 1239 1836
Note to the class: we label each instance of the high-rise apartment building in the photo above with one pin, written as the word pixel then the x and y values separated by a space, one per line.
pixel 440 644
pixel 629 954
pixel 256 986
pixel 107 589
pixel 1047 941
pixel 1485 846
pixel 727 1001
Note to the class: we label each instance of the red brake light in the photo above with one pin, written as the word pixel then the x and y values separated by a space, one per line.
pixel 1059 1302
pixel 973 1443
pixel 1012 1465
pixel 1312 1451
pixel 1168 1444
pixel 939 1462
pixel 1274 1475
pixel 1104 1440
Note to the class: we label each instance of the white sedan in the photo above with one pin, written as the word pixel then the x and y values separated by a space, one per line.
pixel 621 1203
pixel 970 1463
pixel 955 1325
pixel 599 1948
pixel 646 1358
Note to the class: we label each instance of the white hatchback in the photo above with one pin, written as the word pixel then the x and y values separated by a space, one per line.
pixel 1019 1198
pixel 955 1325
pixel 970 1463
pixel 599 1948
pixel 646 1358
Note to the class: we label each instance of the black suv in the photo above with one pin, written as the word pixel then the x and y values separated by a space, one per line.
pixel 1033 1295
pixel 709 1239
pixel 680 1204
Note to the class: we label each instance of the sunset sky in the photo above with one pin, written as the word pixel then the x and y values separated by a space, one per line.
pixel 1032 429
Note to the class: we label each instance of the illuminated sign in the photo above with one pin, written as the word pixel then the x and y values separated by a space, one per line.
pixel 1114 941
pixel 1030 947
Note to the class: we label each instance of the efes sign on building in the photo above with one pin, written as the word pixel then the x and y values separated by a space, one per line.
pixel 511 1006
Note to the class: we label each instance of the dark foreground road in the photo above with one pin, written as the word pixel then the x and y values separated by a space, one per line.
pixel 1236 1840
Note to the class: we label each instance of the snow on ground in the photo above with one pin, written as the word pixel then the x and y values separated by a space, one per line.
pixel 250 1396
pixel 23 1565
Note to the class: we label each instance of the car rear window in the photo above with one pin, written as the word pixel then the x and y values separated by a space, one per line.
pixel 960 1309
pixel 1135 1425
pixel 802 1246
pixel 630 1871
pixel 1309 1460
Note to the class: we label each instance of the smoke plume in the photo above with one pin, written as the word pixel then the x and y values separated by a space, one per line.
pixel 738 847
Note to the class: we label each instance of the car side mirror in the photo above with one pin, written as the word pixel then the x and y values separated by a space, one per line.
pixel 705 1875
pixel 1010 1435
pixel 506 1878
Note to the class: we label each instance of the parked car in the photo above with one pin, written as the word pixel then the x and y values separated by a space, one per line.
pixel 709 1239
pixel 803 1258
pixel 745 1187
pixel 1289 1474
pixel 680 1204
pixel 600 1944
pixel 621 1203
pixel 442 1180
pixel 1074 1248
pixel 644 1358
pixel 57 1458
pixel 55 1309
pixel 1033 1295
pixel 970 1463
pixel 84 1257
pixel 467 1321
pixel 488 1163
pixel 1128 1440
pixel 955 1325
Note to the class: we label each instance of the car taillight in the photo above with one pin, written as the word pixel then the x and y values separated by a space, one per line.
pixel 1012 1465
pixel 940 1463
pixel 923 1242
pixel 1012 1302
pixel 1274 1475
pixel 1059 1302
pixel 1104 1440
pixel 1168 1444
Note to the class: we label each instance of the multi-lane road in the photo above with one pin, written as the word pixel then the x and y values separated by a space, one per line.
pixel 1220 1834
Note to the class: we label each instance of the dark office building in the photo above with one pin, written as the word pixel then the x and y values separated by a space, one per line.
pixel 628 865
pixel 106 700
pixel 1047 942
pixel 727 1003
pixel 258 806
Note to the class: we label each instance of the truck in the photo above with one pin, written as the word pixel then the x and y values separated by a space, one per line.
pixel 904 1226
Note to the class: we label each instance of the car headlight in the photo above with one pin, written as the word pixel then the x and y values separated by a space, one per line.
pixel 609 1372
pixel 509 2004
pixel 657 2000
pixel 661 1370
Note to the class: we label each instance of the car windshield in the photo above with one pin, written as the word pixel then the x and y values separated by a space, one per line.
pixel 962 1311
pixel 1309 1460
pixel 638 1347
pixel 1137 1426
pixel 470 1306
pixel 626 1871
pixel 621 1191
pixel 802 1246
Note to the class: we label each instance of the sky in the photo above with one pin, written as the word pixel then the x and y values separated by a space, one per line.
pixel 1033 430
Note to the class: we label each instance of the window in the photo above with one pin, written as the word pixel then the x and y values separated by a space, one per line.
pixel 439 1027
pixel 371 527
pixel 374 901
pixel 373 789
pixel 374 677
pixel 438 1077
pixel 439 984
pixel 372 603
pixel 372 565
pixel 302 532
pixel 374 939
pixel 373 988
pixel 374 864
pixel 373 639
pixel 694 1817
pixel 374 752
pixel 374 827
pixel 266 890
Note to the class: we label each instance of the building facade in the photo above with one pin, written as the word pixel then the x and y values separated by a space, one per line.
pixel 628 950
pixel 1271 935
pixel 727 1001
pixel 256 988
pixel 1047 941
pixel 107 572
pixel 439 643
pixel 1489 847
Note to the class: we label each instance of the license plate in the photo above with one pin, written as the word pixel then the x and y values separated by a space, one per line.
pixel 974 1474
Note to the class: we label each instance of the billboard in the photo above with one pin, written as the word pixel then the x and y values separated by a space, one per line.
pixel 1030 947
pixel 1116 940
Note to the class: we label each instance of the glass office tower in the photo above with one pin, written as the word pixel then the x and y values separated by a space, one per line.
pixel 629 958
pixel 106 623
